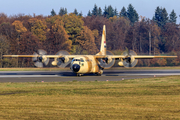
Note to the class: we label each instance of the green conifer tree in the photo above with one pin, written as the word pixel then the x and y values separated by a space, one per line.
pixel 105 13
pixel 100 12
pixel 89 13
pixel 115 12
pixel 110 11
pixel 95 10
pixel 80 14
pixel 123 12
pixel 65 11
pixel 172 17
pixel 53 13
pixel 132 14
pixel 62 11
pixel 75 12
pixel 161 16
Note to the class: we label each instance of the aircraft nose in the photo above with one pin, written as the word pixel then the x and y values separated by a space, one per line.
pixel 76 67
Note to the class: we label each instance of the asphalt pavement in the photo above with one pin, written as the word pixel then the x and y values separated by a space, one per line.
pixel 59 76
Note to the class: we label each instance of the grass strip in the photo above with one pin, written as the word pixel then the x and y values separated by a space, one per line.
pixel 149 98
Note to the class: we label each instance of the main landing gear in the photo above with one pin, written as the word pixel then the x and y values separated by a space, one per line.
pixel 99 73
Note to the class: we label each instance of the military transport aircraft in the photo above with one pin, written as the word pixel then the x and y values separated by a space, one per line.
pixel 82 64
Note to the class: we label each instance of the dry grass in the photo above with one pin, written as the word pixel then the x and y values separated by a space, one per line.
pixel 152 98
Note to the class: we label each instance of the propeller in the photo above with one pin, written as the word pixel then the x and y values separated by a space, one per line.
pixel 63 61
pixel 40 60
pixel 129 60
pixel 106 63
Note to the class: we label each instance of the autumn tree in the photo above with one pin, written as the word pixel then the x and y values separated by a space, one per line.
pixel 170 34
pixel 28 44
pixel 121 27
pixel 86 41
pixel 19 26
pixel 58 39
pixel 19 29
pixel 96 23
pixel 4 48
pixel 38 28
pixel 73 26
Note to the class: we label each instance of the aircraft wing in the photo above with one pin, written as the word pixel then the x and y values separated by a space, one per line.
pixel 47 56
pixel 96 56
pixel 134 56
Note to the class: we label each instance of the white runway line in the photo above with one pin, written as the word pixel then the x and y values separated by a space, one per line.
pixel 163 74
pixel 28 76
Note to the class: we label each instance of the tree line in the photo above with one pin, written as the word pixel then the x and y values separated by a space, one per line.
pixel 25 34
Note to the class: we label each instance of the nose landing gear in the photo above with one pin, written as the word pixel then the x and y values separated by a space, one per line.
pixel 79 75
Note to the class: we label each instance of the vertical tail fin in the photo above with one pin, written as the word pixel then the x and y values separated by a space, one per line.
pixel 103 42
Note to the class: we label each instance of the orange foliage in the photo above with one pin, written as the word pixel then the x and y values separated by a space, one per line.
pixel 38 28
pixel 86 40
pixel 19 26
pixel 162 62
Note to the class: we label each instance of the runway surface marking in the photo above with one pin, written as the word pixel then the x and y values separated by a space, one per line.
pixel 26 76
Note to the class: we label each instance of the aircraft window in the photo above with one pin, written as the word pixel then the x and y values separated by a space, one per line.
pixel 82 60
pixel 76 59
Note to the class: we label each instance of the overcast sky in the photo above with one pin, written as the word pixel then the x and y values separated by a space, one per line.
pixel 43 7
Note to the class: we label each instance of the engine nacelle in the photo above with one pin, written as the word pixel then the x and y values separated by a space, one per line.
pixel 59 61
pixel 120 63
pixel 128 62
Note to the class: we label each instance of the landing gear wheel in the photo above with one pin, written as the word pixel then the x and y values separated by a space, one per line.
pixel 99 73
pixel 79 75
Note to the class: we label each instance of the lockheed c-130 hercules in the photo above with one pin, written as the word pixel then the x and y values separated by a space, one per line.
pixel 83 64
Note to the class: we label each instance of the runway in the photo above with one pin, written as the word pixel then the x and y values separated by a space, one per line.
pixel 58 76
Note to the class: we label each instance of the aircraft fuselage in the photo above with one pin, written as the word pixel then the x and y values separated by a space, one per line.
pixel 85 64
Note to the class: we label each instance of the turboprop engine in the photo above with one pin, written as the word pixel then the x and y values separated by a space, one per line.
pixel 107 62
pixel 40 60
pixel 62 61
pixel 129 60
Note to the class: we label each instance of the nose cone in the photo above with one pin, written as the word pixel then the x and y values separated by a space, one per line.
pixel 76 67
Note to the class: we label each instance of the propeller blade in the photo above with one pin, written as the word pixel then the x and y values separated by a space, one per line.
pixel 39 61
pixel 60 61
pixel 129 61
pixel 34 59
pixel 38 64
pixel 103 63
pixel 42 52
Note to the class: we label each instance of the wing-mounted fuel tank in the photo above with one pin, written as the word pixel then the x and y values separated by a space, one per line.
pixel 62 61
pixel 129 60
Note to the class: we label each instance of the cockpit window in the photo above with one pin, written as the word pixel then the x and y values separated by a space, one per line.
pixel 76 60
